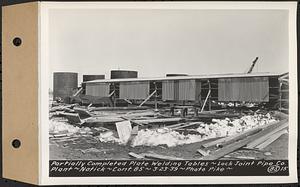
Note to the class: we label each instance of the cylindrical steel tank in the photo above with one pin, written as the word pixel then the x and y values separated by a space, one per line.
pixel 121 74
pixel 175 74
pixel 92 77
pixel 64 84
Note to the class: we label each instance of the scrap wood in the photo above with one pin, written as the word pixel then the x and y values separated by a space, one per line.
pixel 263 138
pixel 203 152
pixel 273 138
pixel 118 108
pixel 161 157
pixel 241 157
pixel 189 131
pixel 239 136
pixel 186 125
pixel 102 120
pixel 137 156
pixel 213 111
pixel 237 145
pixel 175 125
pixel 216 115
pixel 82 112
pixel 140 114
pixel 158 120
pixel 72 117
pixel 280 115
pixel 134 122
pixel 61 108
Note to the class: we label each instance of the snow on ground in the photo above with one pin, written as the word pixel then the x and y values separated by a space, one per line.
pixel 219 128
pixel 169 137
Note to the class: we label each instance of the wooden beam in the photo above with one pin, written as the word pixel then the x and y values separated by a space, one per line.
pixel 137 156
pixel 186 125
pixel 266 136
pixel 147 98
pixel 205 101
pixel 78 92
pixel 237 145
pixel 271 139
pixel 119 108
pixel 209 99
pixel 231 138
pixel 129 102
pixel 157 120
pixel 111 93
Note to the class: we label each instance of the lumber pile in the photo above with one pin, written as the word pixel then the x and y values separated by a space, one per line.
pixel 257 138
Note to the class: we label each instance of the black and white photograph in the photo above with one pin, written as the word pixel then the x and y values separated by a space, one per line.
pixel 169 84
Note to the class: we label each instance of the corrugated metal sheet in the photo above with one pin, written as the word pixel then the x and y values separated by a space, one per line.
pixel 101 90
pixel 181 90
pixel 134 90
pixel 187 90
pixel 255 89
pixel 168 90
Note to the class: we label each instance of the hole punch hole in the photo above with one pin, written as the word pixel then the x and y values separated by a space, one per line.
pixel 16 143
pixel 17 41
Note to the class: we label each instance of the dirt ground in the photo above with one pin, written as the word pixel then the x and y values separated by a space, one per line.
pixel 113 151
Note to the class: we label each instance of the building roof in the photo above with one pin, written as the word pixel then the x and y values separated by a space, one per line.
pixel 208 76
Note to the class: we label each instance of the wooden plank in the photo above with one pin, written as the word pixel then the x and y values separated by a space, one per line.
pixel 234 137
pixel 162 120
pixel 137 156
pixel 175 125
pixel 187 125
pixel 240 136
pixel 205 100
pixel 72 117
pixel 270 140
pixel 119 108
pixel 82 112
pixel 161 157
pixel 102 120
pixel 241 157
pixel 266 136
pixel 147 98
pixel 203 152
pixel 78 92
pixel 230 148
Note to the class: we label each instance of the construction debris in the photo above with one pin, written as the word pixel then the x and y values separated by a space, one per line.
pixel 224 131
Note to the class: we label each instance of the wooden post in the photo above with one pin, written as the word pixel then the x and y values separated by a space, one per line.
pixel 195 111
pixel 156 95
pixel 114 95
pixel 280 95
pixel 209 97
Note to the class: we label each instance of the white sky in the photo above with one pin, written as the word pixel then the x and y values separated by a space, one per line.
pixel 157 42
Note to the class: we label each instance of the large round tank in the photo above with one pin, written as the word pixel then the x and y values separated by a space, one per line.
pixel 92 77
pixel 121 74
pixel 175 75
pixel 64 84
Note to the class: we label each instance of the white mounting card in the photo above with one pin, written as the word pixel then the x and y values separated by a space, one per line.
pixel 151 92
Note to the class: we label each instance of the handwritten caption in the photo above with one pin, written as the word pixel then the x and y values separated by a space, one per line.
pixel 64 168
